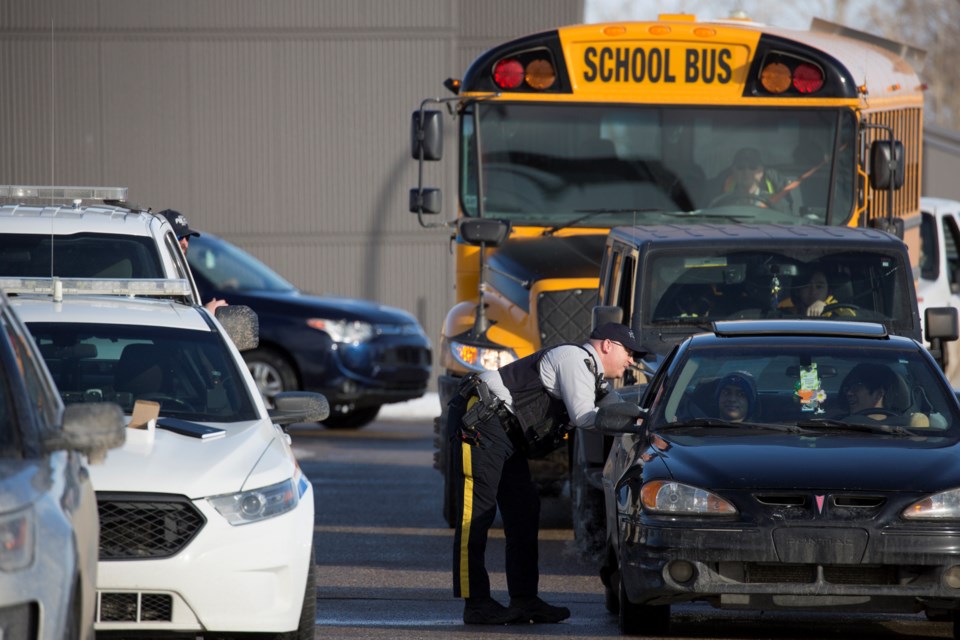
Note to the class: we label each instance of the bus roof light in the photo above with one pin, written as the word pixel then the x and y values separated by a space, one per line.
pixel 540 74
pixel 807 78
pixel 776 77
pixel 508 73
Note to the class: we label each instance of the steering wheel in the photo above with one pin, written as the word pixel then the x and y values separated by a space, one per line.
pixel 839 305
pixel 734 198
pixel 164 399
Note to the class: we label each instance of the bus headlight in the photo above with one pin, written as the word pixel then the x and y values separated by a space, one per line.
pixel 478 358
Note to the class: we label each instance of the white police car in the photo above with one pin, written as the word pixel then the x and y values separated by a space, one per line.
pixel 85 232
pixel 206 519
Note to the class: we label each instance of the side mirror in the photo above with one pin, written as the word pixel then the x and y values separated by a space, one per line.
pixel 91 428
pixel 426 135
pixel 939 326
pixel 241 324
pixel 299 406
pixel 619 418
pixel 886 164
pixel 426 200
pixel 486 231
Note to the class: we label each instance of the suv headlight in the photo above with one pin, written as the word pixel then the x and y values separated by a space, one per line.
pixel 481 358
pixel 347 331
pixel 257 504
pixel 17 539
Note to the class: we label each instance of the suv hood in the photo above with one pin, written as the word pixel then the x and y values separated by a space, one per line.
pixel 297 303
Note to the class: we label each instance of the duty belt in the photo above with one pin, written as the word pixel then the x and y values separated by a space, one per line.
pixel 486 406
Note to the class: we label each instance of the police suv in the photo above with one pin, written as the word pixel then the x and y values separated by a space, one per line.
pixel 206 518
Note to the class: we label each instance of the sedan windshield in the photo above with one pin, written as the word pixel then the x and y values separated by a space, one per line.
pixel 815 387
pixel 191 374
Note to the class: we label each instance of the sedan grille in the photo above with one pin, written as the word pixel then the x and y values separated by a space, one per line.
pixel 134 607
pixel 142 526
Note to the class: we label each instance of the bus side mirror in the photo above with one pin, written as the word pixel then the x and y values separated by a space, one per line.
pixel 886 164
pixel 425 200
pixel 488 232
pixel 426 135
pixel 604 314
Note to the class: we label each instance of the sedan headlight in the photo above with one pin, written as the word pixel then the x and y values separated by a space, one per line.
pixel 481 358
pixel 257 504
pixel 17 538
pixel 939 506
pixel 346 331
pixel 674 498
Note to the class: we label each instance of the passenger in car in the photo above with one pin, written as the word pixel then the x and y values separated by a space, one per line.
pixel 736 397
pixel 876 391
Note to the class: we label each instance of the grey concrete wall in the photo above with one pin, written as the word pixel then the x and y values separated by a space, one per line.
pixel 282 125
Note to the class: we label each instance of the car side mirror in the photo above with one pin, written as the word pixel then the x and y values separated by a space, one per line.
pixel 299 406
pixel 241 324
pixel 619 418
pixel 92 428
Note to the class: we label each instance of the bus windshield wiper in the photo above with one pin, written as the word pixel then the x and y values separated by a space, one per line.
pixel 589 213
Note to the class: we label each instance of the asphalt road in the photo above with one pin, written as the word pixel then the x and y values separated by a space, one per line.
pixel 384 557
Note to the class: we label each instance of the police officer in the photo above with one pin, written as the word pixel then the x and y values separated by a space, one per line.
pixel 521 411
pixel 182 230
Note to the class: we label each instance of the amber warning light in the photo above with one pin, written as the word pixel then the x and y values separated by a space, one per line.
pixel 803 77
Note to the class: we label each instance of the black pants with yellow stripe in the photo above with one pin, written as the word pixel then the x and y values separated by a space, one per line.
pixel 489 474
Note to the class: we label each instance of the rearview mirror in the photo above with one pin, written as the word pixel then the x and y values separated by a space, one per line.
pixel 241 324
pixel 619 418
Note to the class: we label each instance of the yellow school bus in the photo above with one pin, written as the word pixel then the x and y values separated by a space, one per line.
pixel 567 133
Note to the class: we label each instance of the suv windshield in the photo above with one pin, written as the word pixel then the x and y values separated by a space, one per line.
pixel 190 373
pixel 787 283
pixel 549 164
pixel 811 384
pixel 81 255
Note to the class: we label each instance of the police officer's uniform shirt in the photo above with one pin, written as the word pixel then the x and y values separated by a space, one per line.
pixel 564 374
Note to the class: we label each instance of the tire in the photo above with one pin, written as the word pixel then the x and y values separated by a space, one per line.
pixel 587 508
pixel 352 419
pixel 272 372
pixel 642 620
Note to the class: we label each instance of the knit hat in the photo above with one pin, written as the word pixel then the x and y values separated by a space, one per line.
pixel 744 381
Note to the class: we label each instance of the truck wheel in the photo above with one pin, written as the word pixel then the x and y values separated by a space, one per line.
pixel 586 501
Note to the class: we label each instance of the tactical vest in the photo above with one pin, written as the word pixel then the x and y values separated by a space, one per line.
pixel 543 420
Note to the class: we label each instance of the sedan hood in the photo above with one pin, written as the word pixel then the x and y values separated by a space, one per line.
pixel 161 461
pixel 297 303
pixel 866 463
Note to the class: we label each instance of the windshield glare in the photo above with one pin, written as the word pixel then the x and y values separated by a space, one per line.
pixel 228 267
pixel 546 164
pixel 803 282
pixel 802 382
pixel 190 373
pixel 80 255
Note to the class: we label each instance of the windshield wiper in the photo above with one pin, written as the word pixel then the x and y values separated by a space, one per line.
pixel 714 422
pixel 831 424
pixel 589 213
pixel 699 213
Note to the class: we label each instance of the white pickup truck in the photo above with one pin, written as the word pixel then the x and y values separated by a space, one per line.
pixel 939 282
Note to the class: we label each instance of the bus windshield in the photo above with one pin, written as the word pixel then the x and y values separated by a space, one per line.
pixel 606 165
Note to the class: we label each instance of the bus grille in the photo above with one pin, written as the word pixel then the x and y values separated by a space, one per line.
pixel 565 316
pixel 140 526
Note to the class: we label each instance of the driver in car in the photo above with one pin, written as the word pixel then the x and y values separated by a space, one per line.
pixel 810 295
pixel 749 181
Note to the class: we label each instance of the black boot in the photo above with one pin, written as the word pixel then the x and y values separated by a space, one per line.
pixel 536 610
pixel 489 611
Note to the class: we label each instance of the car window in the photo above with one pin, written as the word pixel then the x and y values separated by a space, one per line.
pixel 81 255
pixel 40 393
pixel 191 374
pixel 804 380
pixel 228 267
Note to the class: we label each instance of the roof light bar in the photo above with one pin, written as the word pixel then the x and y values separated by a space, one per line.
pixel 63 193
pixel 58 287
